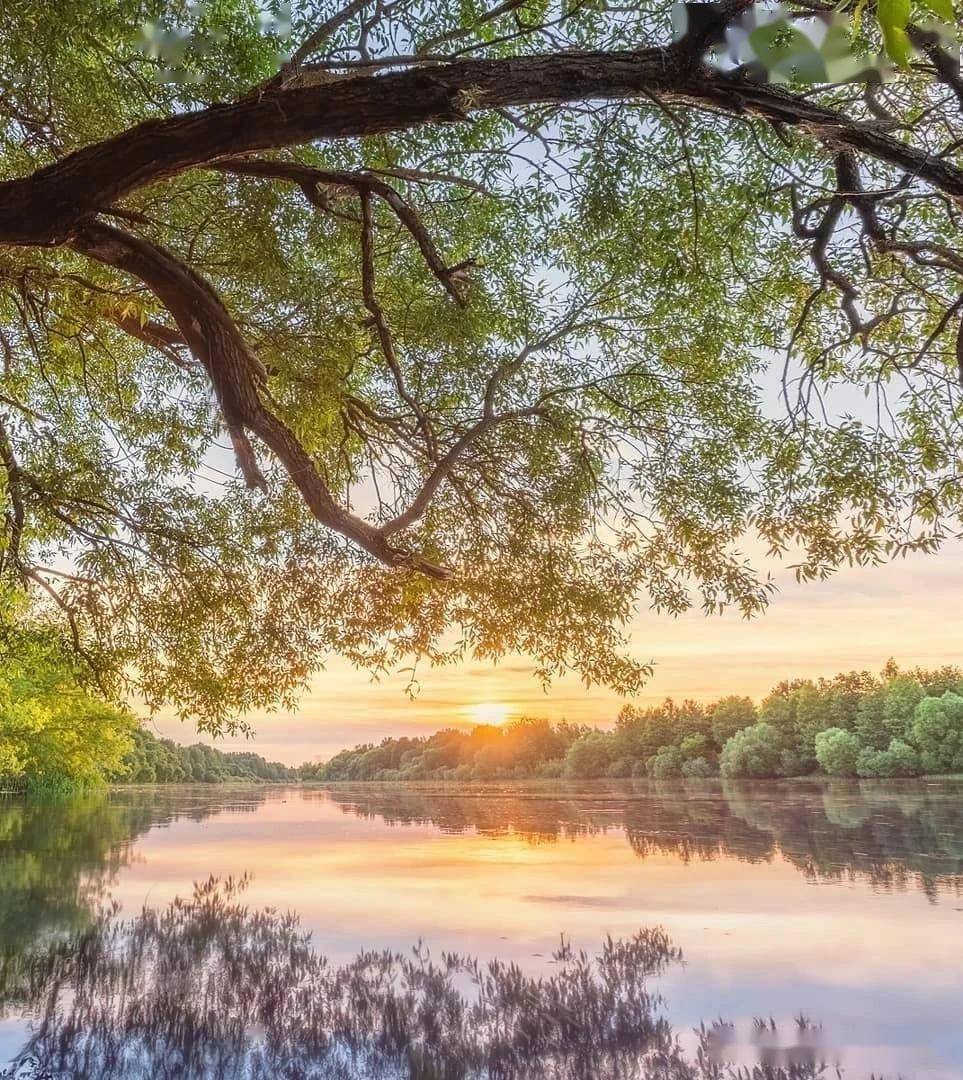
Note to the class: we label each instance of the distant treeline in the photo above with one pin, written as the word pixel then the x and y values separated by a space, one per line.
pixel 161 761
pixel 856 724
pixel 58 733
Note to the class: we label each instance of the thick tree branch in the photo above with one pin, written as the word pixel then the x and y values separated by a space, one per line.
pixel 45 207
pixel 238 381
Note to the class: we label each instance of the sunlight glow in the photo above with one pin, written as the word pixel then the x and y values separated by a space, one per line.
pixel 487 712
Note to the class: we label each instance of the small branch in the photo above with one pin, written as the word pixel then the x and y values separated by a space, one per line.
pixel 311 179
pixel 16 516
pixel 443 469
pixel 313 42
pixel 380 323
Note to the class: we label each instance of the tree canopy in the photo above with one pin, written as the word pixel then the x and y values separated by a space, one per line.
pixel 52 733
pixel 855 724
pixel 402 331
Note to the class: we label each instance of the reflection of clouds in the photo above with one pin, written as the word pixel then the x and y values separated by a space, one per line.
pixel 769 921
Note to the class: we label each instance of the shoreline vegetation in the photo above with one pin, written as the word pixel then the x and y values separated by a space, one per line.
pixel 57 735
pixel 856 724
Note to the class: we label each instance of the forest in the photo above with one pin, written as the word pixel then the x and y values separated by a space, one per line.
pixel 897 724
pixel 57 733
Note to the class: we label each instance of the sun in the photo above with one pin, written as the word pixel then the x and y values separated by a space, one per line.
pixel 488 712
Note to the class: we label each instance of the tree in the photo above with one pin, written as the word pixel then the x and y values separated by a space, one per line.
pixel 730 715
pixel 837 752
pixel 474 297
pixel 938 732
pixel 755 753
pixel 53 733
pixel 666 764
pixel 589 757
pixel 902 695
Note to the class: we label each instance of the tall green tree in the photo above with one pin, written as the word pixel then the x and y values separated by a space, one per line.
pixel 53 732
pixel 423 330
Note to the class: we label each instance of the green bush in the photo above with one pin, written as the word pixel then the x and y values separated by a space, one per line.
pixel 754 752
pixel 697 769
pixel 899 759
pixel 938 732
pixel 837 752
pixel 589 757
pixel 666 764
pixel 795 761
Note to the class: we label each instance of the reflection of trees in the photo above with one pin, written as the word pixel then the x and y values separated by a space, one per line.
pixel 207 988
pixel 59 856
pixel 896 835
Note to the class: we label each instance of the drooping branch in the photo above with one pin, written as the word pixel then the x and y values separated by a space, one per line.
pixel 381 323
pixel 238 380
pixel 16 516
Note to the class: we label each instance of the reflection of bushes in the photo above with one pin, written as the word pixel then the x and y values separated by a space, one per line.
pixel 59 856
pixel 895 837
pixel 207 988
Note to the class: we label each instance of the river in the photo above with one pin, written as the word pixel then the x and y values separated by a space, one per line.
pixel 841 902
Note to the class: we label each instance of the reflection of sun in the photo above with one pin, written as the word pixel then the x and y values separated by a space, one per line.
pixel 487 712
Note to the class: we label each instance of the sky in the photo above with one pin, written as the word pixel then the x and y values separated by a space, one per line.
pixel 911 610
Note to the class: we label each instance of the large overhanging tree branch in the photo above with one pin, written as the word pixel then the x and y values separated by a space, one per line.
pixel 44 208
pixel 507 280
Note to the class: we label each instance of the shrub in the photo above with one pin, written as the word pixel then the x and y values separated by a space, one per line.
pixel 899 759
pixel 693 746
pixel 551 770
pixel 837 752
pixel 754 752
pixel 795 761
pixel 589 756
pixel 697 769
pixel 666 764
pixel 620 768
pixel 938 732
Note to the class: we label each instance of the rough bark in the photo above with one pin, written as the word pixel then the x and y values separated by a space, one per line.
pixel 43 208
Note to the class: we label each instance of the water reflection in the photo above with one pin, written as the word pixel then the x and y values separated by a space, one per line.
pixel 209 988
pixel 896 835
pixel 59 856
pixel 831 898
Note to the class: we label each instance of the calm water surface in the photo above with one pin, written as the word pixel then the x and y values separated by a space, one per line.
pixel 843 902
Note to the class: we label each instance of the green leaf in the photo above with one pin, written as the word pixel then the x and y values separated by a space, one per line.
pixel 893 16
pixel 942 9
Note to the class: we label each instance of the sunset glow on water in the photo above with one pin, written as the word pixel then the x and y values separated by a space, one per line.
pixel 822 900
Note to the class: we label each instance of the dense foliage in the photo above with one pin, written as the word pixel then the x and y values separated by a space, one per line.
pixel 856 724
pixel 57 732
pixel 54 733
pixel 161 761
pixel 442 341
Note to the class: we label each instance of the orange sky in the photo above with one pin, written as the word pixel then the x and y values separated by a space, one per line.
pixel 911 610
